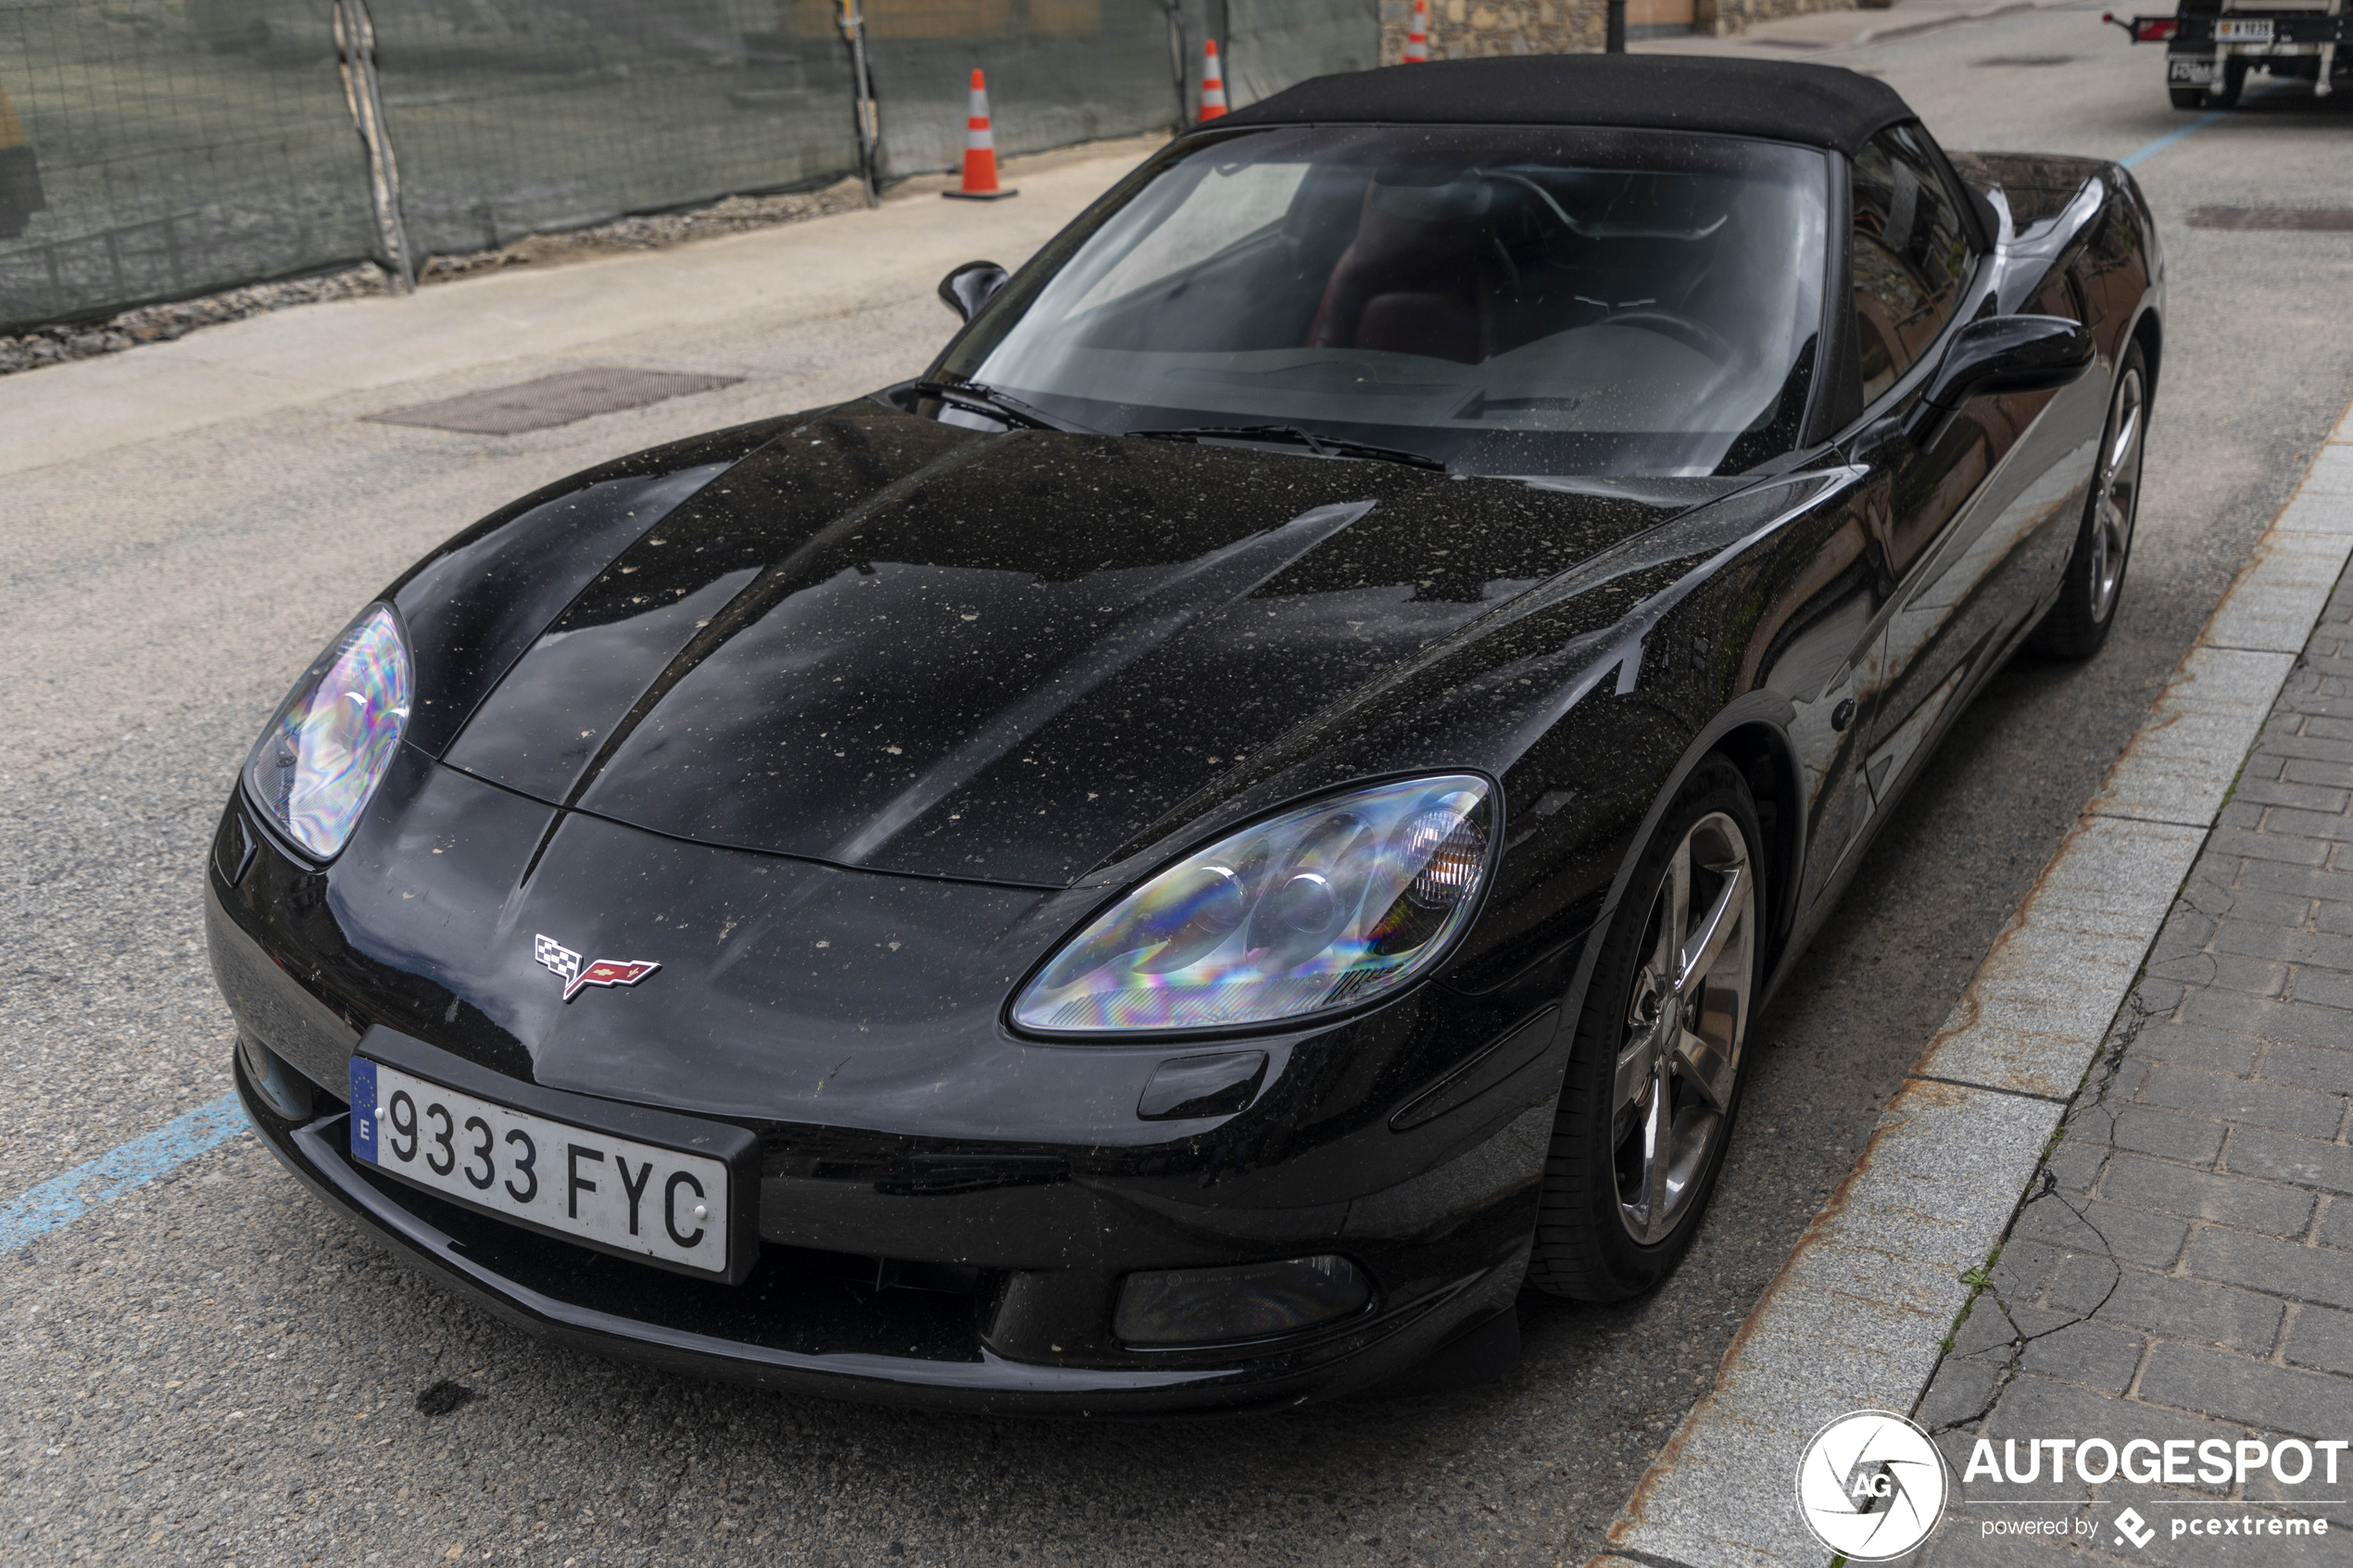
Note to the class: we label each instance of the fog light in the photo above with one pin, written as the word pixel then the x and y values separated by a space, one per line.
pixel 280 1087
pixel 1254 1301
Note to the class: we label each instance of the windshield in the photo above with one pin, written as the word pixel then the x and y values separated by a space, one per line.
pixel 1528 301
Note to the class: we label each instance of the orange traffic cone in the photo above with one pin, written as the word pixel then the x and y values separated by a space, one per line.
pixel 1417 40
pixel 980 151
pixel 1213 85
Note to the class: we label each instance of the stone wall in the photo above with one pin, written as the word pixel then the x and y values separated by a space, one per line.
pixel 1466 28
pixel 1723 19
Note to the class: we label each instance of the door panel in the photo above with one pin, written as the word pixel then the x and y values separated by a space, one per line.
pixel 1972 511
pixel 1979 522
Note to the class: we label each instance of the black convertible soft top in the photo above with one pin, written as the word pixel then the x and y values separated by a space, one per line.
pixel 1785 100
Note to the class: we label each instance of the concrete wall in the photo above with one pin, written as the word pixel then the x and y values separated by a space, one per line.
pixel 1464 29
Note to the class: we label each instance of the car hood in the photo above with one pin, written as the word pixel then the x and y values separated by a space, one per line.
pixel 883 643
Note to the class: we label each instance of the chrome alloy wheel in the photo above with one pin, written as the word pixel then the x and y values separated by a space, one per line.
pixel 1685 1023
pixel 2117 501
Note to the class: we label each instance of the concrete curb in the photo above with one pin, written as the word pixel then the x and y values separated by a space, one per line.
pixel 1858 1314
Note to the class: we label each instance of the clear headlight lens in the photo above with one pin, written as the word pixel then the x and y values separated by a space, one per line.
pixel 1321 908
pixel 321 759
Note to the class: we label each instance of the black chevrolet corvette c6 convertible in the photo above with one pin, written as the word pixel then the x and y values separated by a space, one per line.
pixel 1184 859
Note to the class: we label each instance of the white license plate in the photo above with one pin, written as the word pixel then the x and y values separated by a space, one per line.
pixel 2251 31
pixel 574 1181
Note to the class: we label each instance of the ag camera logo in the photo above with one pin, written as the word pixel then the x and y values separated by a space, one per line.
pixel 1872 1485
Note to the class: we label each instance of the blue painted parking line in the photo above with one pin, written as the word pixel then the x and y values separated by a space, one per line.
pixel 2150 149
pixel 63 1200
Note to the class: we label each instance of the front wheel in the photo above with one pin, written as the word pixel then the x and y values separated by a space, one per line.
pixel 1654 1071
pixel 2094 584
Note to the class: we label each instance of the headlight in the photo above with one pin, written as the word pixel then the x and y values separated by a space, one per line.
pixel 1318 908
pixel 322 758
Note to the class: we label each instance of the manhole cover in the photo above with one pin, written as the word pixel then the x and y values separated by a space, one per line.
pixel 551 401
pixel 2307 220
pixel 2026 60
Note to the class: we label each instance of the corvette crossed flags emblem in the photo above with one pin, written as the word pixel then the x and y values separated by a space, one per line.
pixel 554 955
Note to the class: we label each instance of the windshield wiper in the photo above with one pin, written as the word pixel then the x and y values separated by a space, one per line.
pixel 1292 435
pixel 975 398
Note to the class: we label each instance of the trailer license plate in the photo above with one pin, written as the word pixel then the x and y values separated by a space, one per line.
pixel 574 1181
pixel 2244 30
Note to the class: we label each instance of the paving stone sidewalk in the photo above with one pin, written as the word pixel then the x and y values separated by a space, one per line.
pixel 2183 1267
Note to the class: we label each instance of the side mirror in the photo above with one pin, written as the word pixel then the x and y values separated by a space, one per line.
pixel 2011 354
pixel 969 287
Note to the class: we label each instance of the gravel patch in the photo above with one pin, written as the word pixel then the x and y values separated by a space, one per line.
pixel 161 323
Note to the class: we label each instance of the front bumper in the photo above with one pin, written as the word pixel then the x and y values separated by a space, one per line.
pixel 820 1323
pixel 950 1229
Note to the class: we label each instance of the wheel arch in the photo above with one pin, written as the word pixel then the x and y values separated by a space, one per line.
pixel 1750 736
pixel 1753 734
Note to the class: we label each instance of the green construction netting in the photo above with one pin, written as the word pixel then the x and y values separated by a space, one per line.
pixel 152 149
pixel 1059 71
pixel 1273 44
pixel 514 117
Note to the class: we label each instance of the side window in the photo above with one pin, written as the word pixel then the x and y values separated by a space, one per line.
pixel 1911 256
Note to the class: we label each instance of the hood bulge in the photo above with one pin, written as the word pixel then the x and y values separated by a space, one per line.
pixel 888 644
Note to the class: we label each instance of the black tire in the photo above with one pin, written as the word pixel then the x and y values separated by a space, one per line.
pixel 2188 98
pixel 2224 93
pixel 1587 1246
pixel 2092 585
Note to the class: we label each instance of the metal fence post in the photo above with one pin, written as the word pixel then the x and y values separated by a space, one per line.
pixel 853 27
pixel 356 54
pixel 1179 59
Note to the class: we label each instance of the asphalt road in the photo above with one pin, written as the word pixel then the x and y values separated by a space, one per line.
pixel 213 1369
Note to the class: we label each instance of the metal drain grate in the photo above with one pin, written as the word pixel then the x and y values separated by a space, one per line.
pixel 551 400
pixel 2026 60
pixel 2300 219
